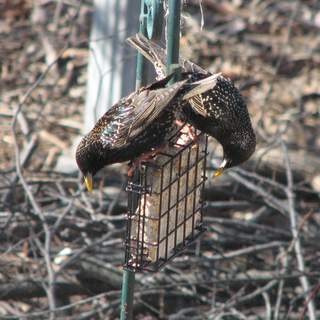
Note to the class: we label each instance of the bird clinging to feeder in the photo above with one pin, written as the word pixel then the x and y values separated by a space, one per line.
pixel 219 112
pixel 136 127
pixel 222 113
pixel 133 126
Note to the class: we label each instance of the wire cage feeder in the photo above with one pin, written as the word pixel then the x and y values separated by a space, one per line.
pixel 165 205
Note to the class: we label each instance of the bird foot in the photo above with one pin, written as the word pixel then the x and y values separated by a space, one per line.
pixel 145 157
pixel 187 133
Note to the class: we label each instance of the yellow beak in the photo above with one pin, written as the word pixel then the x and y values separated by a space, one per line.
pixel 88 181
pixel 218 172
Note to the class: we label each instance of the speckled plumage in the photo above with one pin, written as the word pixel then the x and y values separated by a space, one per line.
pixel 136 124
pixel 221 112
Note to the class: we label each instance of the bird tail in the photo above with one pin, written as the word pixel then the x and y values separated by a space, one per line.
pixel 158 56
pixel 151 51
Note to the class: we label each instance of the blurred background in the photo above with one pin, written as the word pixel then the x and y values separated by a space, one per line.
pixel 62 64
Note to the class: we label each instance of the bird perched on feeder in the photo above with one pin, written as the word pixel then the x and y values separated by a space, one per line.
pixel 219 111
pixel 136 127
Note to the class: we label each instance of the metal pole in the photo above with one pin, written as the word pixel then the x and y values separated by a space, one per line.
pixel 141 62
pixel 127 295
pixel 173 37
pixel 128 279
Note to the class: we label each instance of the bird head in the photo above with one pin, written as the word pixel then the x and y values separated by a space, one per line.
pixel 90 160
pixel 239 147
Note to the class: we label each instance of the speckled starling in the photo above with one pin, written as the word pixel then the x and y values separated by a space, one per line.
pixel 135 126
pixel 219 112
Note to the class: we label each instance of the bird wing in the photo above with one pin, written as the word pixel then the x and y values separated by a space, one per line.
pixel 131 115
pixel 110 127
pixel 148 105
pixel 197 106
pixel 195 95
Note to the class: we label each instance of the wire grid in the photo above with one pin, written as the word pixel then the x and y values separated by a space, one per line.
pixel 172 190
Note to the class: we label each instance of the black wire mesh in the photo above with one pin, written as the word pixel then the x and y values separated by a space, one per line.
pixel 165 205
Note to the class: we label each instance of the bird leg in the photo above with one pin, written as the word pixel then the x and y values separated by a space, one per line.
pixel 145 157
pixel 188 131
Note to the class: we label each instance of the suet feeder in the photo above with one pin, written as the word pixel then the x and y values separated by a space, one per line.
pixel 165 205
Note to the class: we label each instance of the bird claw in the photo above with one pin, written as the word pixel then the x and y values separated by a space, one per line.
pixel 187 133
pixel 146 158
pixel 131 170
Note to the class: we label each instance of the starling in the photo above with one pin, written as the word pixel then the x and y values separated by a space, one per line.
pixel 135 126
pixel 219 112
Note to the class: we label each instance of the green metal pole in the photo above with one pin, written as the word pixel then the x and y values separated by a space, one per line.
pixel 128 278
pixel 127 295
pixel 141 62
pixel 173 37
